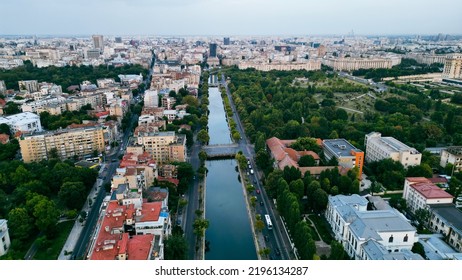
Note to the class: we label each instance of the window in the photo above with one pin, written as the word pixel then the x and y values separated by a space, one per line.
pixel 405 238
pixel 390 240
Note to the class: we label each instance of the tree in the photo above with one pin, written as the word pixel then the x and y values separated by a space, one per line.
pixel 304 242
pixel 306 144
pixel 236 136
pixel 259 225
pixel 72 194
pixel 422 216
pixel 291 173
pixel 418 248
pixel 176 247
pixel 423 170
pixel 337 252
pixel 298 188
pixel 264 251
pixel 320 199
pixel 5 129
pixel 203 136
pixel 199 226
pixel 20 224
pixel 202 156
pixel 306 161
pixel 45 213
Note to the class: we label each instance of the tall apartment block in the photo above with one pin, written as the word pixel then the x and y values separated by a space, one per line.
pixel 347 155
pixel 453 67
pixel 98 42
pixel 164 146
pixel 378 148
pixel 213 49
pixel 69 143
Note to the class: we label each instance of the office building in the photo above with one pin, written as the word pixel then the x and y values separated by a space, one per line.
pixel 347 155
pixel 118 39
pixel 452 155
pixel 453 67
pixel 24 122
pixel 4 237
pixel 68 143
pixel 213 50
pixel 379 148
pixel 98 42
pixel 226 41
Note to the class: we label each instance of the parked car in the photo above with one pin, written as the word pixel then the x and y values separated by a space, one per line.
pixel 258 191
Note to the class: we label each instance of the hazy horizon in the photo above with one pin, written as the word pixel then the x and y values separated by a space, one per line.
pixel 230 18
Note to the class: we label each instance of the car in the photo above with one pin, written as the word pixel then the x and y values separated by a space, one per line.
pixel 178 222
pixel 266 238
pixel 278 252
pixel 261 203
pixel 180 212
pixel 258 191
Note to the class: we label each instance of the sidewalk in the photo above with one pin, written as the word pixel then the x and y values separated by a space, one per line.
pixel 74 235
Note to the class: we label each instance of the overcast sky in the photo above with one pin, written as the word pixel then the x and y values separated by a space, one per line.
pixel 230 17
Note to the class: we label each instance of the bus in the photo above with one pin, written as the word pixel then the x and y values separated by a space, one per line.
pixel 268 221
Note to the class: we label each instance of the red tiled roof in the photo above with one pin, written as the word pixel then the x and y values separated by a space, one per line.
pixel 139 247
pixel 438 180
pixel 412 180
pixel 316 170
pixel 102 114
pixel 106 241
pixel 430 191
pixel 171 180
pixel 150 212
pixel 309 153
pixel 2 102
pixel 123 244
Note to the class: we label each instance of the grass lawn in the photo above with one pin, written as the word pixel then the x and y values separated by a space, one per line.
pixel 52 251
pixel 323 227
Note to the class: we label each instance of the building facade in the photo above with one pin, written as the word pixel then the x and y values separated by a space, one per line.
pixel 356 227
pixel 453 67
pixel 98 42
pixel 5 241
pixel 351 64
pixel 24 122
pixel 420 193
pixel 69 143
pixel 452 155
pixel 446 219
pixel 347 155
pixel 151 98
pixel 378 148
pixel 164 146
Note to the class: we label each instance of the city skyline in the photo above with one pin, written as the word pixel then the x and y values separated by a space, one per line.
pixel 232 18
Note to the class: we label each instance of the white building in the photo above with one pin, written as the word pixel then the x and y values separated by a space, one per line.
pixel 452 155
pixel 420 193
pixel 25 122
pixel 151 98
pixel 4 237
pixel 356 228
pixel 378 148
